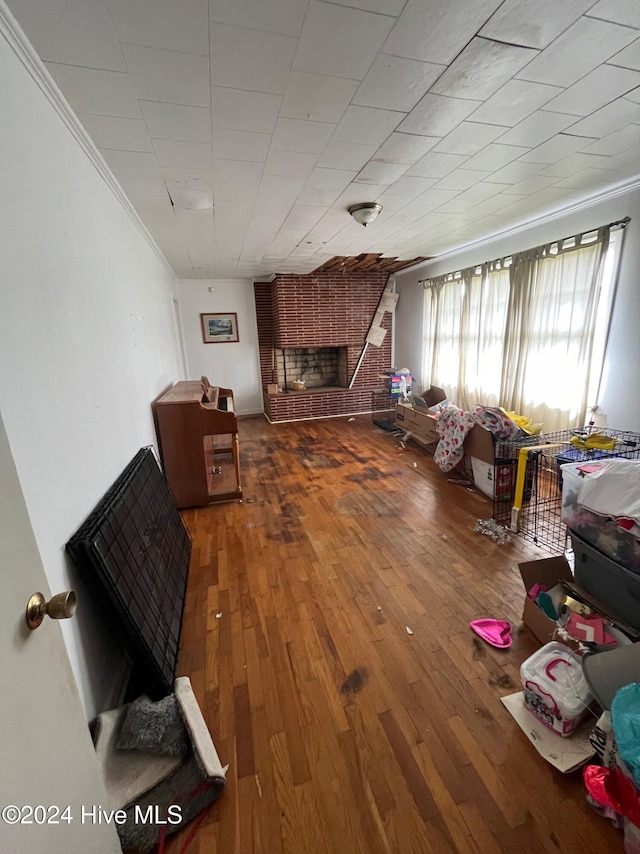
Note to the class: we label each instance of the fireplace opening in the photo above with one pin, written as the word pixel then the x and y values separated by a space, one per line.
pixel 312 367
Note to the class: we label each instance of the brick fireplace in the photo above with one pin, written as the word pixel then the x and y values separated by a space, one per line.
pixel 317 324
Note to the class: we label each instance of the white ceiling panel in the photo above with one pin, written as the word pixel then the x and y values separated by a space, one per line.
pixel 460 118
pixel 240 145
pixel 533 24
pixel 340 41
pixel 318 97
pixel 284 17
pixel 607 119
pixel 537 128
pixel 248 59
pixel 115 132
pixel 346 155
pixel 629 57
pixel 90 90
pixel 292 163
pixel 162 23
pixel 168 75
pixel 174 121
pixel 72 32
pixel 236 109
pixel 395 83
pixel 516 100
pixel 367 123
pixel 404 148
pixel 602 85
pixel 303 136
pixel 194 155
pixel 469 138
pixel 482 68
pixel 577 51
pixel 620 11
pixel 437 115
pixel 437 164
pixel 433 31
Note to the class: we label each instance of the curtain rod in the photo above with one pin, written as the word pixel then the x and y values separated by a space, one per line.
pixel 619 223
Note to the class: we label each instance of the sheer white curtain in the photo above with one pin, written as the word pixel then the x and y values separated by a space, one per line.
pixel 519 332
pixel 548 350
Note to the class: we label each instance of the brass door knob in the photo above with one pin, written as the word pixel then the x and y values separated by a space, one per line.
pixel 59 607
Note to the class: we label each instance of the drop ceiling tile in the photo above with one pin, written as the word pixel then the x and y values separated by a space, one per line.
pixel 174 121
pixel 280 186
pixel 102 93
pixel 232 192
pixel 318 97
pixel 346 155
pixel 469 138
pixel 78 32
pixel 238 171
pixel 601 86
pixel 142 185
pixel 456 206
pixel 353 195
pixel 461 179
pixel 615 143
pixel 537 128
pixel 162 23
pixel 395 83
pixel 284 17
pixel 381 173
pixel 291 163
pixel 554 149
pixel 533 24
pixel 168 75
pixel 629 57
pixel 238 109
pixel 577 51
pixel 360 123
pixel 249 59
pixel 404 148
pixel 131 163
pixel 191 155
pixel 437 32
pixel 303 136
pixel 340 41
pixel 329 179
pixel 384 7
pixel 619 11
pixel 588 179
pixel 530 185
pixel 607 119
pixel 516 100
pixel 436 164
pixel 633 96
pixel 117 133
pixel 437 115
pixel 494 157
pixel 482 68
pixel 189 187
pixel 240 145
pixel 483 190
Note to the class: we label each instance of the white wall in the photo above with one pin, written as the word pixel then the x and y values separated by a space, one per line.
pixel 619 397
pixel 237 365
pixel 87 341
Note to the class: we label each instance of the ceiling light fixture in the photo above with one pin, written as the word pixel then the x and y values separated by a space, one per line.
pixel 365 212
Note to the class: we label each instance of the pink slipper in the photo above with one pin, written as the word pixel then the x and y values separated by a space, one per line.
pixel 495 632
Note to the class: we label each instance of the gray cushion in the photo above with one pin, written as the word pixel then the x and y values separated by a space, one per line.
pixel 154 727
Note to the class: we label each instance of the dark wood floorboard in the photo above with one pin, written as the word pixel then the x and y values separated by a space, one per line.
pixel 343 732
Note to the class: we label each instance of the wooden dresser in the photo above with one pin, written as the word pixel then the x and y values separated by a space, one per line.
pixel 198 436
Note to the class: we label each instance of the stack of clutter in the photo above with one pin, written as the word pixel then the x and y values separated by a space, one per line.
pixel 613 786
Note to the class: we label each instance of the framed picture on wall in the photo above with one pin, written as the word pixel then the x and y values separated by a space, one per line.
pixel 219 328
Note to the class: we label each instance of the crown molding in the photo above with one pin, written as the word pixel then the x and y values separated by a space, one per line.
pixel 16 39
pixel 550 215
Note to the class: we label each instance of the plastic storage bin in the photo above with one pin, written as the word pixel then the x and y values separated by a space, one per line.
pixel 617 587
pixel 555 690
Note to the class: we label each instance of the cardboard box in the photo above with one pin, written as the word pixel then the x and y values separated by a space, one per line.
pixel 422 425
pixel 433 395
pixel 272 388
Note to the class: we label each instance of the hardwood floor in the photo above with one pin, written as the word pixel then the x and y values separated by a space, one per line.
pixel 343 731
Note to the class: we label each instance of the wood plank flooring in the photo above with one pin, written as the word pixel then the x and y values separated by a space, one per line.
pixel 343 732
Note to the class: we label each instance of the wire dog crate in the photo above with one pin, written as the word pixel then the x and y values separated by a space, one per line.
pixel 528 481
